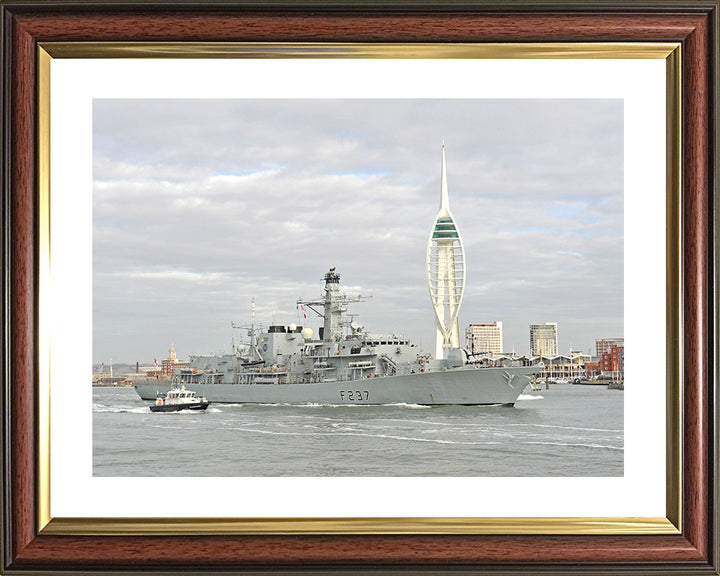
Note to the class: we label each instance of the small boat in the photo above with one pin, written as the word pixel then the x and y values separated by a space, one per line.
pixel 178 399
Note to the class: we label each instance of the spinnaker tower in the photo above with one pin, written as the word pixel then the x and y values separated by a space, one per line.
pixel 445 272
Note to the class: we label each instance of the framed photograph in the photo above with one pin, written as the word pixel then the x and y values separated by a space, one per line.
pixel 147 145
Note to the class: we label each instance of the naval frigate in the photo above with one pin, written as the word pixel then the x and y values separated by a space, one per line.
pixel 343 365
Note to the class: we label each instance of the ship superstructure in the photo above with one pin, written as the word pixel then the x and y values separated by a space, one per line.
pixel 445 272
pixel 345 364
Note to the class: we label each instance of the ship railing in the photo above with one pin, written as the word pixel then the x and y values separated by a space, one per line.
pixel 359 372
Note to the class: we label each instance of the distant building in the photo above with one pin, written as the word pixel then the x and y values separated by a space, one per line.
pixel 166 368
pixel 613 363
pixel 152 371
pixel 606 364
pixel 592 368
pixel 563 367
pixel 543 339
pixel 482 338
pixel 171 363
pixel 605 345
pixel 503 359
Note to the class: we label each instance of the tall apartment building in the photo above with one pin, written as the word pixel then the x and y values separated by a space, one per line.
pixel 481 338
pixel 605 345
pixel 543 339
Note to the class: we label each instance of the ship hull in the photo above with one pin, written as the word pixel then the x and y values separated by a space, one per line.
pixel 459 386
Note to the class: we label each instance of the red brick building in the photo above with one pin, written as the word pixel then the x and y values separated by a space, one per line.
pixel 592 368
pixel 613 363
pixel 171 363
pixel 166 369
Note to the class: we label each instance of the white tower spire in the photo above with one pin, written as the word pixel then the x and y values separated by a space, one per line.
pixel 444 201
pixel 445 272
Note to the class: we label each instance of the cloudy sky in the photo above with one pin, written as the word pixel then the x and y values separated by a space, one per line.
pixel 201 205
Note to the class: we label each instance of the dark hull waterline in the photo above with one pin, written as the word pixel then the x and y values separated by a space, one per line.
pixel 197 406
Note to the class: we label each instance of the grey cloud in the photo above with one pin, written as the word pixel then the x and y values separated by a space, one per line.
pixel 200 206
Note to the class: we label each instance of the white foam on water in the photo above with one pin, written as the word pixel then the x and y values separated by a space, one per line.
pixel 582 429
pixel 579 445
pixel 410 406
pixel 362 434
pixel 119 409
pixel 411 439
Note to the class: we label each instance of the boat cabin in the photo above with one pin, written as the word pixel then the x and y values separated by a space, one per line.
pixel 178 396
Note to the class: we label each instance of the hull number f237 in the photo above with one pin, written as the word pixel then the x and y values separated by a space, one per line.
pixel 354 395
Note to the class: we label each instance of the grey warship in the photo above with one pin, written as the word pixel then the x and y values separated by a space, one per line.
pixel 344 365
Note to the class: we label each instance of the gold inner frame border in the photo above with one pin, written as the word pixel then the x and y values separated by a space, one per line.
pixel 671 524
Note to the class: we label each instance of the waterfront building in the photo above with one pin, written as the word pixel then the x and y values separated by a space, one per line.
pixel 482 338
pixel 152 371
pixel 502 359
pixel 171 363
pixel 563 367
pixel 166 368
pixel 445 272
pixel 543 339
pixel 592 368
pixel 605 345
pixel 613 363
pixel 606 364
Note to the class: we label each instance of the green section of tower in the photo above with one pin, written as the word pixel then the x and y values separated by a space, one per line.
pixel 444 235
pixel 444 228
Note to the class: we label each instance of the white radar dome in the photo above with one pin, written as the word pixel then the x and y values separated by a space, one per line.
pixel 307 333
pixel 292 327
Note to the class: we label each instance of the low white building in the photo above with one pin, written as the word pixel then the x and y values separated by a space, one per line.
pixel 562 366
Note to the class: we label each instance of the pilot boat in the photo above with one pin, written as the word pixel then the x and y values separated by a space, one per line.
pixel 177 399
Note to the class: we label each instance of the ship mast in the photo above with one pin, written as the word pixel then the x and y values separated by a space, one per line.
pixel 334 305
pixel 252 333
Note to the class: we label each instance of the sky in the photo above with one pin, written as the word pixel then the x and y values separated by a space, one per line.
pixel 199 206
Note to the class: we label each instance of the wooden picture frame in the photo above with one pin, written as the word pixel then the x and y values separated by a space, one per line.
pixel 30 547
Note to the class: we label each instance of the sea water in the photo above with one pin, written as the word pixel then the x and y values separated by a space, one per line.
pixel 568 430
